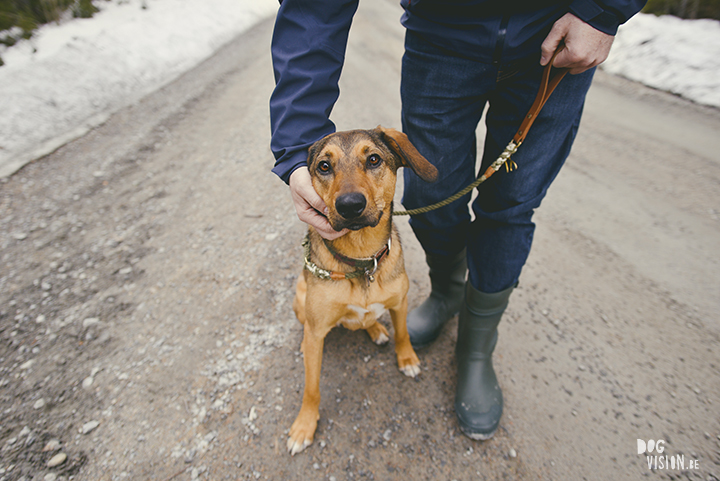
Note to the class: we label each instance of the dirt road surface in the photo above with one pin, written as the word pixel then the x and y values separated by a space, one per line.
pixel 147 277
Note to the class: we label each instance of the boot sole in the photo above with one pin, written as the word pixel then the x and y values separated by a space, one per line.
pixel 421 346
pixel 478 436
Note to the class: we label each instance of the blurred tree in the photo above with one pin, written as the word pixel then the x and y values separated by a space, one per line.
pixel 28 14
pixel 84 9
pixel 685 8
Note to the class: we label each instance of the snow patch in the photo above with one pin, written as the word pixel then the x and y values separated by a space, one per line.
pixel 70 77
pixel 668 53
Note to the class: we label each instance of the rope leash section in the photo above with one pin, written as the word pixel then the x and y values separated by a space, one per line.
pixel 550 79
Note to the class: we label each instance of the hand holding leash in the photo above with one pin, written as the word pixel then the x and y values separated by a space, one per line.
pixel 585 46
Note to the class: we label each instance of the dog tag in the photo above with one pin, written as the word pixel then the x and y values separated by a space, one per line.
pixel 370 274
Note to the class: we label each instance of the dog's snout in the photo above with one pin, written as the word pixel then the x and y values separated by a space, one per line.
pixel 350 205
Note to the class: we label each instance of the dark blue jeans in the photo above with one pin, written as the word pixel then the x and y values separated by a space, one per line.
pixel 443 98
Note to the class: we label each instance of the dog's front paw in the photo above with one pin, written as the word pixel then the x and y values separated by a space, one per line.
pixel 411 370
pixel 409 365
pixel 295 445
pixel 382 339
pixel 378 334
pixel 302 433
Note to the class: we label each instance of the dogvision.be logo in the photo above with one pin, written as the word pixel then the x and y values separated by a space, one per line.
pixel 656 459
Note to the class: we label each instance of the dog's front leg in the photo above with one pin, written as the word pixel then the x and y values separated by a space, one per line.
pixel 302 431
pixel 408 361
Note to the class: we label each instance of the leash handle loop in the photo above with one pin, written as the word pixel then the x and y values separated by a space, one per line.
pixel 551 77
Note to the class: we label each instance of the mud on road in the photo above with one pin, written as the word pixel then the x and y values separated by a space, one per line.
pixel 147 274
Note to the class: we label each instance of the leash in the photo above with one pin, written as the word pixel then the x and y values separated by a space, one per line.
pixel 550 79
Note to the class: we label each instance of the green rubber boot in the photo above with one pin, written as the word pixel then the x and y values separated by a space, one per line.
pixel 447 279
pixel 478 398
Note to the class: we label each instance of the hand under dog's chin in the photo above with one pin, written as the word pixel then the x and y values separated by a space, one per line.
pixel 355 224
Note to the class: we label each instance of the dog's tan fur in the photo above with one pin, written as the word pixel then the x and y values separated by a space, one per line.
pixel 355 303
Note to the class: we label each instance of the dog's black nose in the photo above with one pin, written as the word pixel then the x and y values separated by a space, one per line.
pixel 350 205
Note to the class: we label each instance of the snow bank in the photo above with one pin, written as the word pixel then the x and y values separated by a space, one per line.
pixel 70 77
pixel 667 53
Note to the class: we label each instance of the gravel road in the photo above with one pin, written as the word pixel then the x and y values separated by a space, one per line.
pixel 147 274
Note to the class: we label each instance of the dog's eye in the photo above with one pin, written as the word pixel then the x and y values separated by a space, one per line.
pixel 374 160
pixel 324 166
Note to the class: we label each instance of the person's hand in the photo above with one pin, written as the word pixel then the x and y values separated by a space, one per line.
pixel 585 46
pixel 309 206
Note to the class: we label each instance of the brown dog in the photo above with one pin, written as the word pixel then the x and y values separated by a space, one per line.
pixel 357 277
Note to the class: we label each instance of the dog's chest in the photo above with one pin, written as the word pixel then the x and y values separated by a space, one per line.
pixel 358 317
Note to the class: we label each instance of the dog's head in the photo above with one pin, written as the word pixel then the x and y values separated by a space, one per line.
pixel 354 172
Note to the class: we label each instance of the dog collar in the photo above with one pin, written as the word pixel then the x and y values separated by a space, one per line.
pixel 364 262
pixel 364 266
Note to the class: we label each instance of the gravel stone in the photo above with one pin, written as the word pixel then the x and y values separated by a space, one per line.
pixel 52 445
pixel 89 426
pixel 27 364
pixel 57 460
pixel 91 321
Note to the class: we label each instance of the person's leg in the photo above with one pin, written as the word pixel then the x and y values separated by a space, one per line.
pixel 443 97
pixel 500 237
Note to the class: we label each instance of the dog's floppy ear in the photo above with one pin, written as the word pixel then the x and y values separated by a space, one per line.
pixel 399 143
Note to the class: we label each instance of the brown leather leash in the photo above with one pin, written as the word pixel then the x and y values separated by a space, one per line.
pixel 551 77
